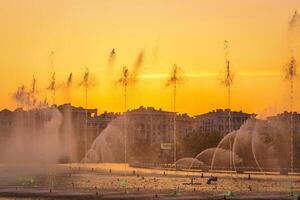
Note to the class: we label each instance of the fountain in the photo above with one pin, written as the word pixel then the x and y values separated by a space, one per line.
pixel 124 80
pixel 188 163
pixel 41 136
pixel 109 145
pixel 85 84
pixel 173 80
pixel 52 85
pixel 290 76
pixel 227 82
pixel 253 138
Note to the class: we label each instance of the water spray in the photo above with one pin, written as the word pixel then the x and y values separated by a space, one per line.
pixel 112 58
pixel 45 102
pixel 32 98
pixel 173 81
pixel 68 122
pixel 294 30
pixel 70 80
pixel 18 95
pixel 52 84
pixel 85 83
pixel 33 91
pixel 290 76
pixel 137 65
pixel 124 80
pixel 68 86
pixel 227 82
pixel 52 87
pixel 26 97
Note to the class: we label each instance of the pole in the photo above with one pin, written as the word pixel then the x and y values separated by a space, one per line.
pixel 125 121
pixel 174 129
pixel 86 121
pixel 292 132
pixel 229 128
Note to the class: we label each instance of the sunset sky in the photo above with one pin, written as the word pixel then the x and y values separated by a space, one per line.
pixel 190 33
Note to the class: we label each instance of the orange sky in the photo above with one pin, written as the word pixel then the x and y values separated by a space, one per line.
pixel 189 33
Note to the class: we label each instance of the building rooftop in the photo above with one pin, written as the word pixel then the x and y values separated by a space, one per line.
pixel 145 110
pixel 284 114
pixel 224 112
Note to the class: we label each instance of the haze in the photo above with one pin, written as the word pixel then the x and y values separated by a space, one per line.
pixel 189 33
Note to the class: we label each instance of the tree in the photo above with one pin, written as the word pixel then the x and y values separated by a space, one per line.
pixel 197 141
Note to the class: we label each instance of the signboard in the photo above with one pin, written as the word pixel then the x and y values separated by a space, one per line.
pixel 166 146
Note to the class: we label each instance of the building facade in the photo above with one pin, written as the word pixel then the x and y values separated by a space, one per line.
pixel 285 119
pixel 155 129
pixel 218 121
pixel 86 125
pixel 150 130
pixel 82 124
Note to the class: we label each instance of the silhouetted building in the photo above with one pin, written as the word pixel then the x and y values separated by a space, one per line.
pixel 184 125
pixel 154 126
pixel 86 125
pixel 218 121
pixel 83 124
pixel 149 129
pixel 6 120
pixel 285 119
